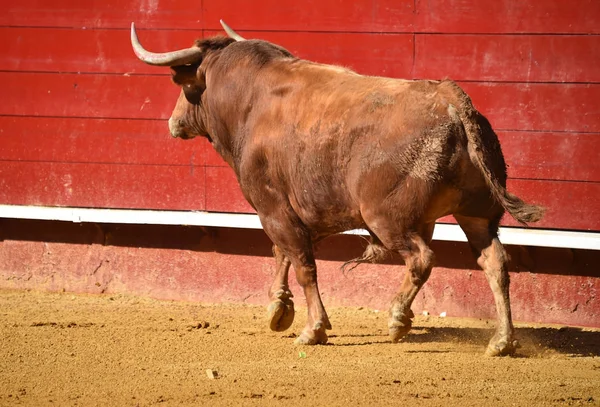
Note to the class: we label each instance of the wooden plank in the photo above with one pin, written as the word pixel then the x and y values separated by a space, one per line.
pixel 532 155
pixel 182 14
pixel 447 16
pixel 508 16
pixel 311 15
pixel 81 140
pixel 89 51
pixel 368 54
pixel 513 58
pixel 552 156
pixel 509 106
pixel 570 205
pixel 539 155
pixel 109 51
pixel 538 106
pixel 542 58
pixel 102 185
pixel 99 96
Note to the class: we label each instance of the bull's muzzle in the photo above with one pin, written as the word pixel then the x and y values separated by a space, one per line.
pixel 176 128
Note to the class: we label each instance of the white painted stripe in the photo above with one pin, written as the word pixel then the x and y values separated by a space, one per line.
pixel 448 232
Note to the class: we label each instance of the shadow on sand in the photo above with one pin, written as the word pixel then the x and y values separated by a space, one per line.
pixel 534 341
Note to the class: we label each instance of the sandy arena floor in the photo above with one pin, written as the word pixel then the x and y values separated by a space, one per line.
pixel 73 350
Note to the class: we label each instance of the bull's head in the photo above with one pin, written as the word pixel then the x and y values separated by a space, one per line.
pixel 188 117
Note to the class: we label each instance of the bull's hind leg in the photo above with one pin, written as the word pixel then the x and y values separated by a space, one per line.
pixel 492 258
pixel 419 259
pixel 281 309
pixel 412 242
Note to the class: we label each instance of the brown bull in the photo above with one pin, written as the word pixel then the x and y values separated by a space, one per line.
pixel 319 149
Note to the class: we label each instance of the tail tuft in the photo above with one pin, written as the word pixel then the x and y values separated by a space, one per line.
pixel 374 253
pixel 523 212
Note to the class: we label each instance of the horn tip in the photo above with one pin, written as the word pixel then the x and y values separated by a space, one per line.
pixel 230 32
pixel 133 33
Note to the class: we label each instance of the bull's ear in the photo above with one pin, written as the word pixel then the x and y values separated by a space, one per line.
pixel 185 75
pixel 187 78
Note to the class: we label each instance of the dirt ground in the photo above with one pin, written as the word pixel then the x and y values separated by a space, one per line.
pixel 76 350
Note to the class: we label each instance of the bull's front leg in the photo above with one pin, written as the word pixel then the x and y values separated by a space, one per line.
pixel 280 312
pixel 318 322
pixel 293 242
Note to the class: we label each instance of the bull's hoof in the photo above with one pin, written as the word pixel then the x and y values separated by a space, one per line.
pixel 502 347
pixel 398 331
pixel 399 325
pixel 280 314
pixel 314 336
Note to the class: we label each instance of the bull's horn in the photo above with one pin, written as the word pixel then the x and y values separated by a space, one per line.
pixel 173 58
pixel 231 33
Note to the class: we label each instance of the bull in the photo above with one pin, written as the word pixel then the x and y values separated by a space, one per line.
pixel 319 149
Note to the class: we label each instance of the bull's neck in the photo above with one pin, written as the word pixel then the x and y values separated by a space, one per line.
pixel 229 114
pixel 234 91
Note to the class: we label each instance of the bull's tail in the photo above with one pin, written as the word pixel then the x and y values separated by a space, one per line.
pixel 486 155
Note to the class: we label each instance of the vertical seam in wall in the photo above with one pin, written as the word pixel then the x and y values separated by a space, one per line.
pixel 414 56
pixel 202 20
pixel 205 188
pixel 203 33
pixel 414 28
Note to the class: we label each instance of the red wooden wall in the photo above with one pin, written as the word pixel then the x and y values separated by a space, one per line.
pixel 83 123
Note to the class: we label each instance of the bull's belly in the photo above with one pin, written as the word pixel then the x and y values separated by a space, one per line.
pixel 445 202
pixel 325 220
